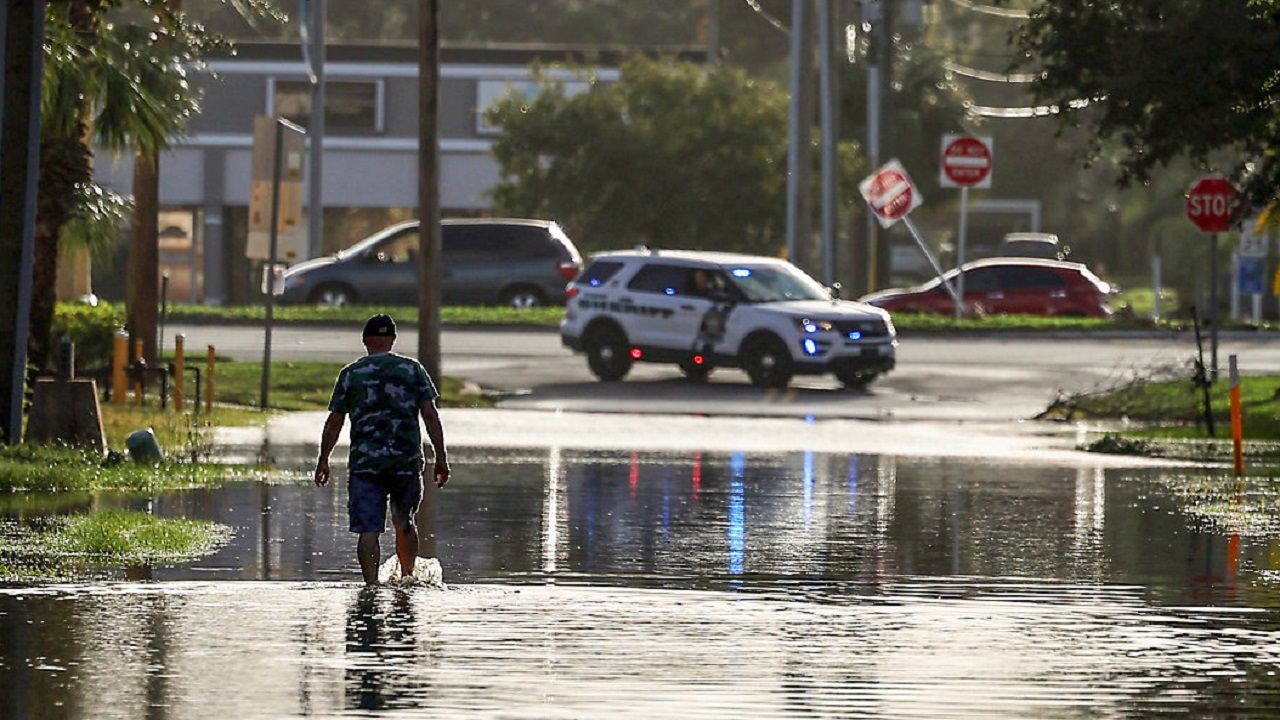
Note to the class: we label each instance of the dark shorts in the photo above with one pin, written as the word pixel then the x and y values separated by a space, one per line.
pixel 368 494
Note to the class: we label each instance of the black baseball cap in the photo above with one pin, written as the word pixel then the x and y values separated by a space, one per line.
pixel 380 326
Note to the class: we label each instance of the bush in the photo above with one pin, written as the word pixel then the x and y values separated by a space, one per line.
pixel 91 329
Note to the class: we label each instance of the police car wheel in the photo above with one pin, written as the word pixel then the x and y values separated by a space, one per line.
pixel 607 353
pixel 695 372
pixel 855 379
pixel 767 363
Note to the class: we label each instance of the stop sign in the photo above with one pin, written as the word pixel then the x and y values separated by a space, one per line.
pixel 966 161
pixel 1212 203
pixel 890 193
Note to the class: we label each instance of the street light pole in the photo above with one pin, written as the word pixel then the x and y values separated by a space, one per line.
pixel 429 270
pixel 315 130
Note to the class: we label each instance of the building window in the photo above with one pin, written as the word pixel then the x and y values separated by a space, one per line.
pixel 490 92
pixel 351 106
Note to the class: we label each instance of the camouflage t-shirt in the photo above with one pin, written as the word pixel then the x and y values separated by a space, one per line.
pixel 382 393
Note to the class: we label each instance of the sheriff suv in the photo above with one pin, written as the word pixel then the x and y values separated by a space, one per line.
pixel 702 310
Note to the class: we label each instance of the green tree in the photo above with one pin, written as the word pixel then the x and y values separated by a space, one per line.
pixel 674 154
pixel 1165 80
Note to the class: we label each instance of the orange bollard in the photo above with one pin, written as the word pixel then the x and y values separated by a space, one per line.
pixel 1237 430
pixel 137 386
pixel 208 384
pixel 179 366
pixel 119 362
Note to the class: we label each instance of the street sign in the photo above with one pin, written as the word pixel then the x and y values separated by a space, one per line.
pixel 291 231
pixel 890 193
pixel 1250 272
pixel 1252 243
pixel 1212 203
pixel 966 162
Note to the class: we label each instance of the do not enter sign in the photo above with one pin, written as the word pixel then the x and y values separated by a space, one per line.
pixel 890 193
pixel 966 161
pixel 1212 203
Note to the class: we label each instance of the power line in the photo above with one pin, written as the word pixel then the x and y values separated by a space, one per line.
pixel 971 72
pixel 994 11
pixel 764 14
pixel 1033 111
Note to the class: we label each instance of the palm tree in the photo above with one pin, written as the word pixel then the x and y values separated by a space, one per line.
pixel 107 83
pixel 121 84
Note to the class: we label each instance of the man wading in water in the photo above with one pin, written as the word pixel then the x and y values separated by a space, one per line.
pixel 384 393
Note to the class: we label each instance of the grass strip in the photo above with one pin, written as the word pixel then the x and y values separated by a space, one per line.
pixel 52 468
pixel 1168 419
pixel 66 546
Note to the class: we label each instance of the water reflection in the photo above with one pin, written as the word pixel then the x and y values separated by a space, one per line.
pixel 859 585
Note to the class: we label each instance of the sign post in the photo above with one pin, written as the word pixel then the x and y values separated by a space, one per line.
pixel 278 148
pixel 892 196
pixel 1211 204
pixel 966 163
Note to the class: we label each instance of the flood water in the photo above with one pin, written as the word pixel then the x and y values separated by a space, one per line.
pixel 690 585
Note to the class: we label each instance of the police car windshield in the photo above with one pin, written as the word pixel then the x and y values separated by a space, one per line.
pixel 776 283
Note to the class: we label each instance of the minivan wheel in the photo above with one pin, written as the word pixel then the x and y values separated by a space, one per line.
pixel 523 297
pixel 607 353
pixel 333 295
pixel 767 362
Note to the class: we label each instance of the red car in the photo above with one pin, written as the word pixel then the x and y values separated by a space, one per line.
pixel 998 286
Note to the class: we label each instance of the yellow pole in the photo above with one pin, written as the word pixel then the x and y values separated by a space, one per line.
pixel 119 359
pixel 1237 431
pixel 137 386
pixel 208 384
pixel 179 365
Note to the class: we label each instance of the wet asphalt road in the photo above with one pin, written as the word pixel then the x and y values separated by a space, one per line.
pixel 938 378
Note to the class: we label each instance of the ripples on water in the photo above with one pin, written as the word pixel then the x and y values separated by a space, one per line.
pixel 637 585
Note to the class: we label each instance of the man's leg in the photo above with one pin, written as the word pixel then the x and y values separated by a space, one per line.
pixel 406 496
pixel 406 540
pixel 368 552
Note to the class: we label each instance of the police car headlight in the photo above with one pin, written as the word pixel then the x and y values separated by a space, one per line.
pixel 814 326
pixel 295 280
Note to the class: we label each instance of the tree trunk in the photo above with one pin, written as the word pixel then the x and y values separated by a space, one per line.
pixel 64 162
pixel 142 280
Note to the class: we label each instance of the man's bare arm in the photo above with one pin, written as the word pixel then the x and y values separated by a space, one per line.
pixel 329 438
pixel 435 431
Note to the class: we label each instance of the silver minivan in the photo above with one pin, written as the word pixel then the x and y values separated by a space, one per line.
pixel 522 263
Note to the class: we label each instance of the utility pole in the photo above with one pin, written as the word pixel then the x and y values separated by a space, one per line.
pixel 429 270
pixel 884 125
pixel 872 233
pixel 830 190
pixel 315 131
pixel 21 47
pixel 713 31
pixel 799 162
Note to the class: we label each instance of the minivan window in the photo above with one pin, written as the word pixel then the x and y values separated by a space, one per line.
pixel 402 248
pixel 598 272
pixel 509 242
